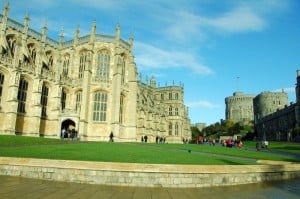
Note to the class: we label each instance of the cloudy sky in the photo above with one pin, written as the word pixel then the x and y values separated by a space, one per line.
pixel 214 47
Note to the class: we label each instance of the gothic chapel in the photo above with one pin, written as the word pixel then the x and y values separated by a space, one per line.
pixel 89 84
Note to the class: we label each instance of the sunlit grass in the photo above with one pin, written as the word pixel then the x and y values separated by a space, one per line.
pixel 18 146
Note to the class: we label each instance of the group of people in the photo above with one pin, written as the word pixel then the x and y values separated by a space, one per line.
pixel 70 133
pixel 231 143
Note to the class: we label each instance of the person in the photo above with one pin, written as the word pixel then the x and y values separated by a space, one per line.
pixel 63 132
pixel 111 137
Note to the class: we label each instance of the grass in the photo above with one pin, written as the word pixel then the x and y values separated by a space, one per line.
pixel 18 146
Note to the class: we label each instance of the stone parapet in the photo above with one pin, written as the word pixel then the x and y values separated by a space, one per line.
pixel 147 175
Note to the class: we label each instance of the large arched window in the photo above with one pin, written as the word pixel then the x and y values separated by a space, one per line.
pixel 103 65
pixel 1 85
pixel 100 106
pixel 44 99
pixel 22 95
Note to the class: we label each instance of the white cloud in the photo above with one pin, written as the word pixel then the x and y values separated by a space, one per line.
pixel 202 104
pixel 148 56
pixel 241 19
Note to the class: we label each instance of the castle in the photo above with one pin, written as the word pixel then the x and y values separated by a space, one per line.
pixel 89 84
pixel 273 118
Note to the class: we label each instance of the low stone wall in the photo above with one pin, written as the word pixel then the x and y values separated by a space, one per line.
pixel 146 175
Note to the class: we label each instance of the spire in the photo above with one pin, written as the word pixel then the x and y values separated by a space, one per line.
pixel 44 32
pixel 118 32
pixel 61 37
pixel 26 23
pixel 131 41
pixel 76 35
pixel 6 9
pixel 93 31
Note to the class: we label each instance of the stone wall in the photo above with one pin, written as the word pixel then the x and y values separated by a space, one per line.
pixel 146 175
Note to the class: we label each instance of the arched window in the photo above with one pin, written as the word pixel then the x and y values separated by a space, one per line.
pixel 1 85
pixel 78 101
pixel 44 99
pixel 176 96
pixel 82 62
pixel 100 106
pixel 22 95
pixel 63 99
pixel 66 63
pixel 170 128
pixel 170 96
pixel 103 65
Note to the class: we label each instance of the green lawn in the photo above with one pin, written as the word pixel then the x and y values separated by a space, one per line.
pixel 17 146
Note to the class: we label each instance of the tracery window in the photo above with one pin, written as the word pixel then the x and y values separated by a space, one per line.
pixel 1 85
pixel 44 100
pixel 22 95
pixel 103 65
pixel 100 106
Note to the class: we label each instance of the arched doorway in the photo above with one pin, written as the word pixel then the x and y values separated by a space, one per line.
pixel 68 125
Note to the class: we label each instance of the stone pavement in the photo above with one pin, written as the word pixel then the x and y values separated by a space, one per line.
pixel 17 187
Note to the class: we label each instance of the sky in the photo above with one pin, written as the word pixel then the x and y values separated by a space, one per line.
pixel 213 47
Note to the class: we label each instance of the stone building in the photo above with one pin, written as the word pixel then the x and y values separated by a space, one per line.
pixel 274 119
pixel 239 107
pixel 88 83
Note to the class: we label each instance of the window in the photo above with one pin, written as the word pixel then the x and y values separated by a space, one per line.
pixel 100 106
pixel 122 62
pixel 78 101
pixel 170 129
pixel 66 63
pixel 170 110
pixel 22 95
pixel 63 99
pixel 176 129
pixel 1 85
pixel 170 96
pixel 176 96
pixel 103 66
pixel 176 111
pixel 162 96
pixel 44 100
pixel 82 62
pixel 121 117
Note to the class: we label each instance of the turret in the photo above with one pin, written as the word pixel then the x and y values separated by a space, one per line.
pixel 93 31
pixel 76 35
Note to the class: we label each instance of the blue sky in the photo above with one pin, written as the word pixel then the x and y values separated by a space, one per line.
pixel 214 47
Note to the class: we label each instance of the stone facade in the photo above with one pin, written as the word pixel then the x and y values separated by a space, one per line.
pixel 88 83
pixel 274 119
pixel 239 107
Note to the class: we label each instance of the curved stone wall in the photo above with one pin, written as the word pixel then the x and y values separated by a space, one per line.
pixel 146 175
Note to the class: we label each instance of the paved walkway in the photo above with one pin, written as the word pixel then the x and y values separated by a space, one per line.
pixel 16 187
